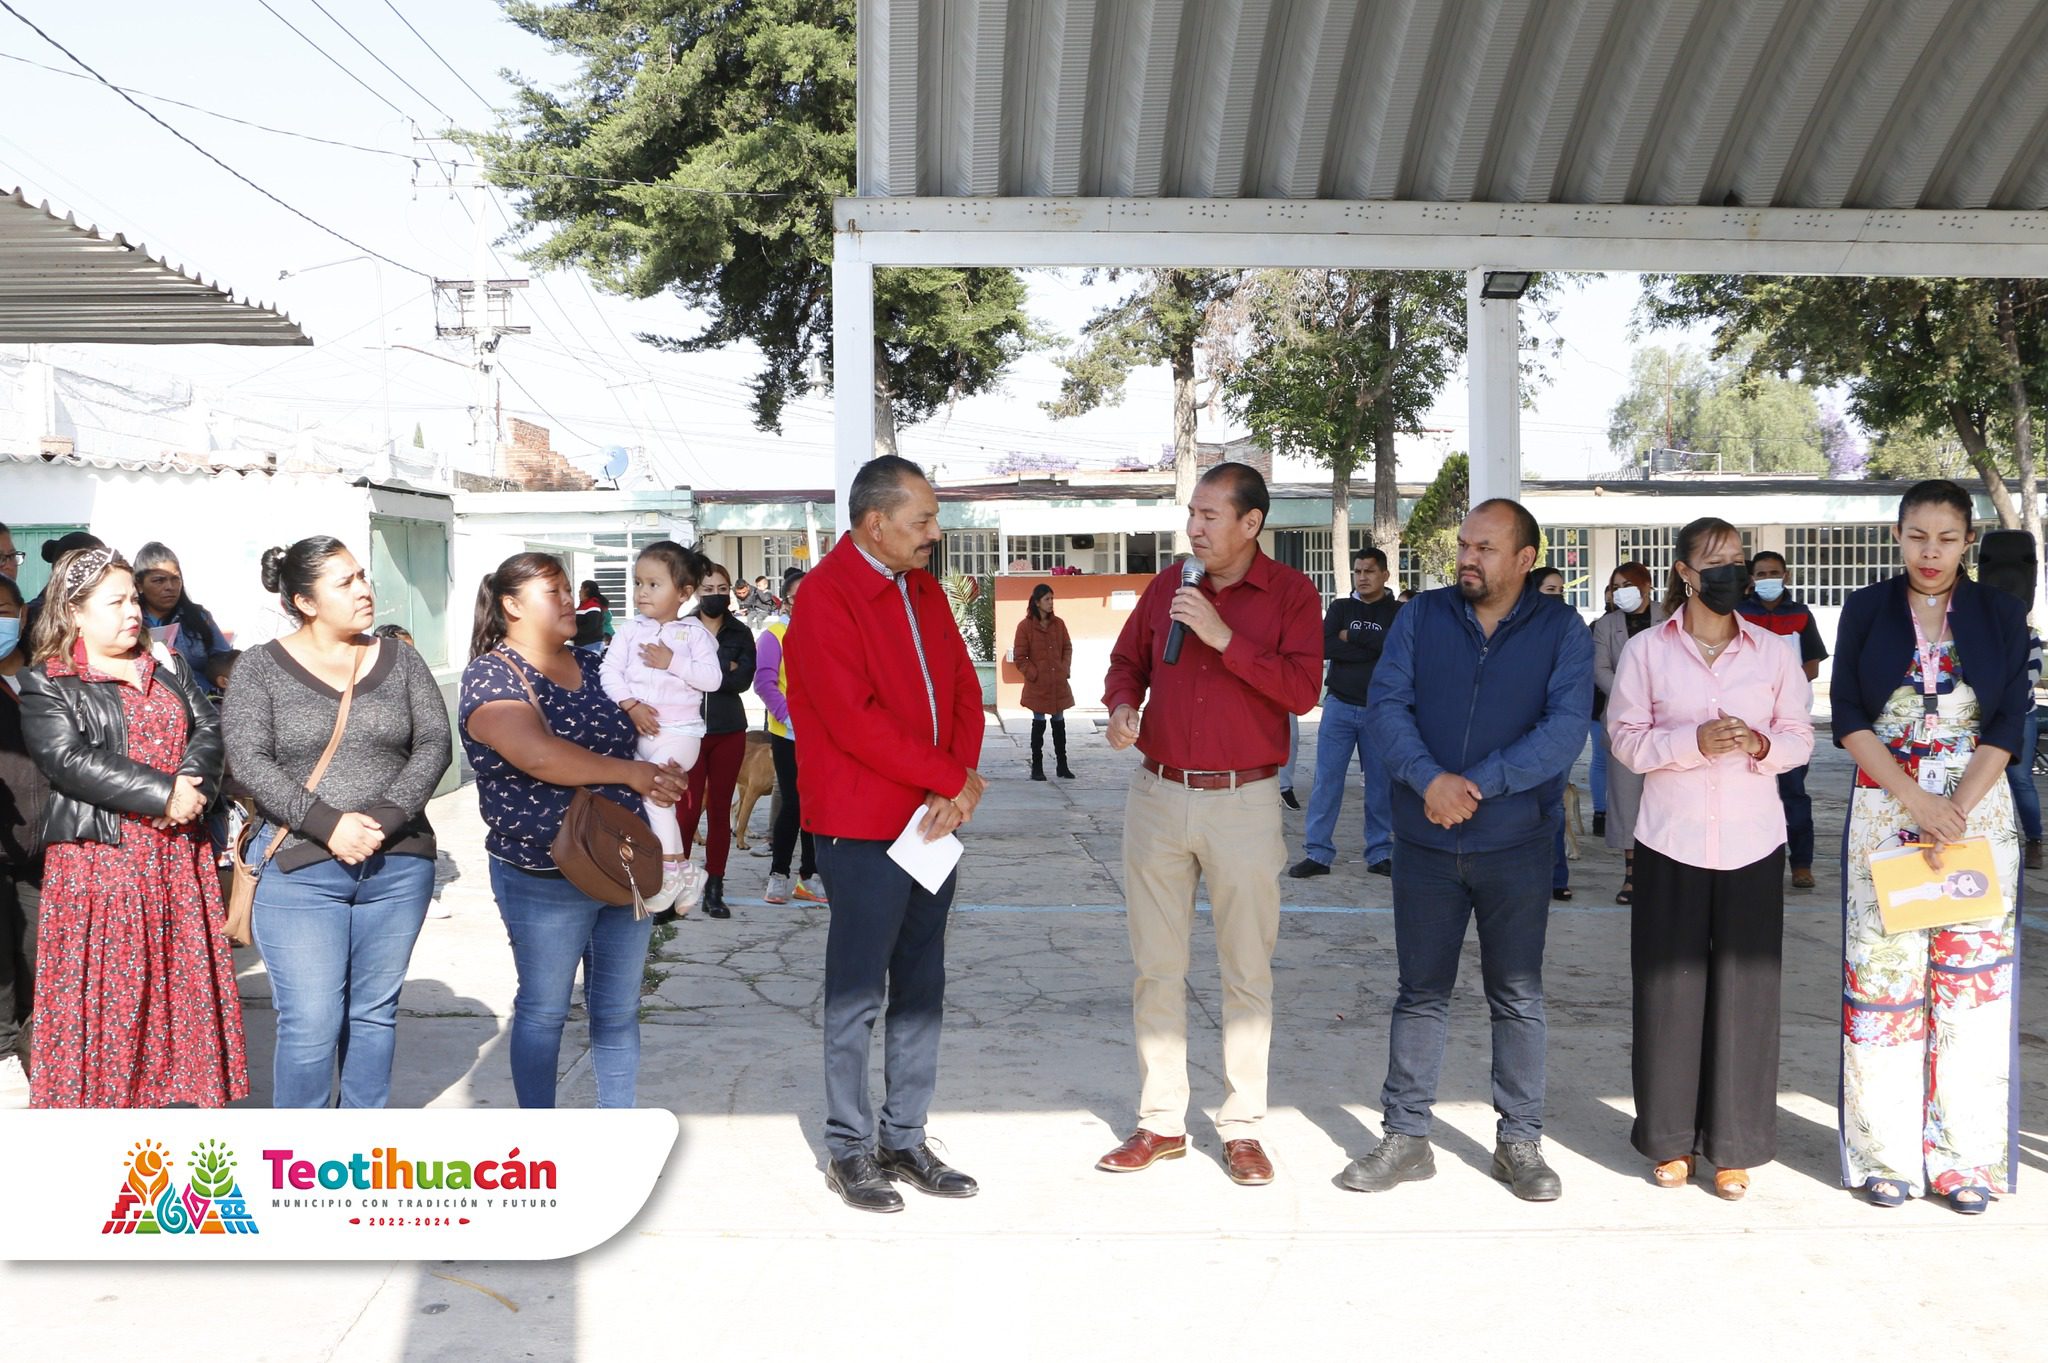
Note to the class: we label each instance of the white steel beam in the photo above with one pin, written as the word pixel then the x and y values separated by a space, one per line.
pixel 1251 233
pixel 853 375
pixel 1493 343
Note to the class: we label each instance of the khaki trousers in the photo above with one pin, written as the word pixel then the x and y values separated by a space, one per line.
pixel 1173 837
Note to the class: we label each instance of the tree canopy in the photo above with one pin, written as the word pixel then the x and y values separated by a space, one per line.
pixel 1680 399
pixel 1914 355
pixel 698 151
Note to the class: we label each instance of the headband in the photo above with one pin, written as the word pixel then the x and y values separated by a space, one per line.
pixel 88 567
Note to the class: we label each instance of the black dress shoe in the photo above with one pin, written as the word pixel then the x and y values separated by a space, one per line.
pixel 1306 867
pixel 924 1171
pixel 714 898
pixel 1381 868
pixel 862 1185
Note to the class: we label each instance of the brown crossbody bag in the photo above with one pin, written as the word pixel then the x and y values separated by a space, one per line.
pixel 242 884
pixel 602 848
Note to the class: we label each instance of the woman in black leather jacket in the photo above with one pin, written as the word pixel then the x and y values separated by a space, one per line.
pixel 135 985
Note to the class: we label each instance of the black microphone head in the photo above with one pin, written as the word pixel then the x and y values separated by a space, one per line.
pixel 1192 570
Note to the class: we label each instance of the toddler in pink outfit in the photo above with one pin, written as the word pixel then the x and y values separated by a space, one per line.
pixel 657 669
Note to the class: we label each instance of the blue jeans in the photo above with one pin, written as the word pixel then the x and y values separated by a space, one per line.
pixel 1293 748
pixel 1798 818
pixel 1342 734
pixel 2026 797
pixel 1436 894
pixel 1561 866
pixel 336 941
pixel 549 922
pixel 1596 767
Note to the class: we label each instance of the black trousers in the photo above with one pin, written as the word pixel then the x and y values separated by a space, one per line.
pixel 21 898
pixel 788 833
pixel 1706 955
pixel 886 946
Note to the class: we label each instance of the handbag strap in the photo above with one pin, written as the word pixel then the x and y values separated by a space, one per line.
pixel 531 694
pixel 348 695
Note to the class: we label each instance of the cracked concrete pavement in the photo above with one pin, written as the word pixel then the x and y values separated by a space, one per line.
pixel 743 1253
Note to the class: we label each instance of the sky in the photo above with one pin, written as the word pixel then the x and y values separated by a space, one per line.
pixel 581 372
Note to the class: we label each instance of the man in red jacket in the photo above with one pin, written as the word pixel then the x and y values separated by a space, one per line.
pixel 1205 805
pixel 886 708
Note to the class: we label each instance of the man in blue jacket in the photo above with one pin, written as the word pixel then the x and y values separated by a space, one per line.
pixel 1477 756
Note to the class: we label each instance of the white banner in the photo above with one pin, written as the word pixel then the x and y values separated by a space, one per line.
pixel 178 1185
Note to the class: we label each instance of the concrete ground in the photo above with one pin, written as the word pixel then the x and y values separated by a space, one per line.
pixel 742 1253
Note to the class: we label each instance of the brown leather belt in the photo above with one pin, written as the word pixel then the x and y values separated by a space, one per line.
pixel 1211 780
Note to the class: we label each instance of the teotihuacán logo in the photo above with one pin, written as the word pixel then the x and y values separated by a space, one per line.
pixel 150 1202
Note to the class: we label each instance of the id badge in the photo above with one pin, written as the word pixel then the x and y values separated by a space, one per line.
pixel 1934 775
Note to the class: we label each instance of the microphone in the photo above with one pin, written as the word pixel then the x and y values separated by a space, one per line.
pixel 1191 573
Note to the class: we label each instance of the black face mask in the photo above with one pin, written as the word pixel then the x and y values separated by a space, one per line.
pixel 713 605
pixel 1721 589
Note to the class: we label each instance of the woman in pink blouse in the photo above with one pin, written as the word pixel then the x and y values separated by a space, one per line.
pixel 1709 709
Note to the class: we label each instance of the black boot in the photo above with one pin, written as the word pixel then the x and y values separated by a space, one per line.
pixel 1038 747
pixel 714 898
pixel 1059 747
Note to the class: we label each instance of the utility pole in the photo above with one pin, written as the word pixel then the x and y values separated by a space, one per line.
pixel 478 308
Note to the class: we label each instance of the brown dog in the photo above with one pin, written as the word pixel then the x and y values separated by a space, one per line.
pixel 757 778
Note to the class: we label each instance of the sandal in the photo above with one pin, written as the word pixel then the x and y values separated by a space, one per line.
pixel 1627 893
pixel 1983 1195
pixel 1885 1192
pixel 1672 1173
pixel 1731 1184
pixel 1562 896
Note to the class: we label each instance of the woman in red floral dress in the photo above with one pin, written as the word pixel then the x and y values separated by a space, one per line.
pixel 135 990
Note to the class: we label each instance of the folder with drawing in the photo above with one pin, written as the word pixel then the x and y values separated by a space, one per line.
pixel 1911 894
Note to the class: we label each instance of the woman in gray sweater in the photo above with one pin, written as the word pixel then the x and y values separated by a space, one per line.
pixel 339 906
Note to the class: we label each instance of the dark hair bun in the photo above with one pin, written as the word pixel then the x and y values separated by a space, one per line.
pixel 273 568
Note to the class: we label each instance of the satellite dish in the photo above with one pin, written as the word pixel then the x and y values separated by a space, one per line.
pixel 616 461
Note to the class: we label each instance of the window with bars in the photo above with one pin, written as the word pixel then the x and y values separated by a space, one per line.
pixel 1571 553
pixel 780 553
pixel 1043 552
pixel 973 552
pixel 1827 562
pixel 1655 547
pixel 612 555
pixel 1309 550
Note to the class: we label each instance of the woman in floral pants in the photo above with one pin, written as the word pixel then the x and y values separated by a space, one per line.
pixel 1929 694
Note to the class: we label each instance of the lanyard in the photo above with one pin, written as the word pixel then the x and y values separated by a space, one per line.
pixel 1930 665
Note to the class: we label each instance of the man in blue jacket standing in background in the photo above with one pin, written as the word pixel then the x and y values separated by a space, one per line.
pixel 1478 758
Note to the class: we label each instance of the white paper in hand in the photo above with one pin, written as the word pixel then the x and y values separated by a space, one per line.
pixel 929 863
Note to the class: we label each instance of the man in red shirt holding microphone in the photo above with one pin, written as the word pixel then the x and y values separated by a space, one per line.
pixel 1229 645
pixel 886 709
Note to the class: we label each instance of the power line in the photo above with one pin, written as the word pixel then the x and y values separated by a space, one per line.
pixel 374 91
pixel 556 422
pixel 438 57
pixel 400 155
pixel 379 60
pixel 154 118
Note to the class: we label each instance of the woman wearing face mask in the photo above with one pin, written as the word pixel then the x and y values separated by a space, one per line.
pixel 1633 613
pixel 1929 695
pixel 1707 709
pixel 725 734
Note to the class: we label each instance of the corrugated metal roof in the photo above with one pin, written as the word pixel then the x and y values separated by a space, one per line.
pixel 1801 104
pixel 62 282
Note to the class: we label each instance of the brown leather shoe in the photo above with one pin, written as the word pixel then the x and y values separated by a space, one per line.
pixel 1802 877
pixel 1247 1163
pixel 1142 1151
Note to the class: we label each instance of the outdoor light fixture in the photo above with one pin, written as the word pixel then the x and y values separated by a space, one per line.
pixel 1505 284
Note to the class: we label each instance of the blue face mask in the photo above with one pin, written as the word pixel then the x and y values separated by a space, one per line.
pixel 1769 589
pixel 10 635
